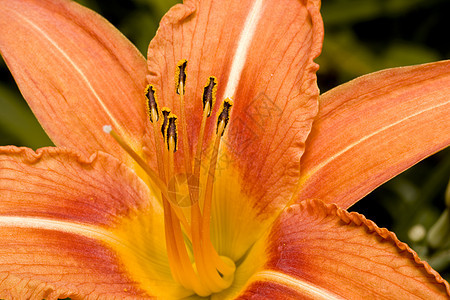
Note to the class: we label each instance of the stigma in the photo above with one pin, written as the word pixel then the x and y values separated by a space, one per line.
pixel 187 230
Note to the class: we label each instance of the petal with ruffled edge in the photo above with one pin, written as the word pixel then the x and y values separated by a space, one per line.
pixel 79 228
pixel 319 251
pixel 373 128
pixel 262 55
pixel 77 73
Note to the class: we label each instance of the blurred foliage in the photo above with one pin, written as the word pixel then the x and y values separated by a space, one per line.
pixel 18 122
pixel 362 36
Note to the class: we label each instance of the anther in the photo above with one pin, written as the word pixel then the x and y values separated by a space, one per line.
pixel 152 103
pixel 209 94
pixel 165 112
pixel 171 133
pixel 180 77
pixel 224 116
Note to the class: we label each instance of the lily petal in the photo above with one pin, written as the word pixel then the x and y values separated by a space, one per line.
pixel 50 181
pixel 104 240
pixel 50 264
pixel 262 56
pixel 373 128
pixel 319 251
pixel 76 71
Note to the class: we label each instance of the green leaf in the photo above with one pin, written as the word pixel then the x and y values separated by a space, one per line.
pixel 17 120
pixel 352 11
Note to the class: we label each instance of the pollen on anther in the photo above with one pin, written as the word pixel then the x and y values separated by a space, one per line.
pixel 171 132
pixel 209 94
pixel 180 77
pixel 152 103
pixel 165 112
pixel 224 115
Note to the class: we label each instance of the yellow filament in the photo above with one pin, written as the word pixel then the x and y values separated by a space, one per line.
pixel 193 192
pixel 223 267
pixel 205 255
pixel 198 153
pixel 195 209
pixel 210 181
pixel 184 270
pixel 159 155
pixel 207 261
pixel 161 160
pixel 186 150
pixel 174 259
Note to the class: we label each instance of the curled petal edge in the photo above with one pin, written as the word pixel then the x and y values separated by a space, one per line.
pixel 389 236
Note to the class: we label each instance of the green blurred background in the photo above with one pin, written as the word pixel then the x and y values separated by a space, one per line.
pixel 361 36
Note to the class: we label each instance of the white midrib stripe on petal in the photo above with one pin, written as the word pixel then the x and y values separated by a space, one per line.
pixel 77 69
pixel 97 233
pixel 295 284
pixel 241 53
pixel 89 231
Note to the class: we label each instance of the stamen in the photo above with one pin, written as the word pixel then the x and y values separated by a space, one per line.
pixel 180 84
pixel 204 253
pixel 182 267
pixel 152 103
pixel 209 98
pixel 171 141
pixel 180 77
pixel 207 271
pixel 222 122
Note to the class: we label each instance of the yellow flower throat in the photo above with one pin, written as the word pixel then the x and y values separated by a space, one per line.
pixel 204 272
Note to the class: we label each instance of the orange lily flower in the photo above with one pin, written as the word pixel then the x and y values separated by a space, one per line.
pixel 207 200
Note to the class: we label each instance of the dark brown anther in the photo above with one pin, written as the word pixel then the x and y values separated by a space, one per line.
pixel 152 103
pixel 171 133
pixel 224 115
pixel 165 112
pixel 180 77
pixel 209 94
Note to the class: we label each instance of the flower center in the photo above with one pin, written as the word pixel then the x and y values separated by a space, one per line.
pixel 194 262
